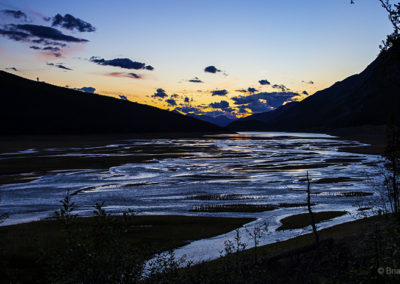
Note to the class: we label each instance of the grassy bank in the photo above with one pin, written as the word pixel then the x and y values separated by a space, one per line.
pixel 24 246
pixel 348 253
pixel 303 220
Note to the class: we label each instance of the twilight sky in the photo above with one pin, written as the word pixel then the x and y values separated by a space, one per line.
pixel 216 56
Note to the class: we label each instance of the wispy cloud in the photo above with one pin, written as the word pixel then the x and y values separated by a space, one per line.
pixel 12 69
pixel 124 75
pixel 195 80
pixel 58 65
pixel 281 87
pixel 16 14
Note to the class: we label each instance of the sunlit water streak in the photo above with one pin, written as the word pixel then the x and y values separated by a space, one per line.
pixel 260 168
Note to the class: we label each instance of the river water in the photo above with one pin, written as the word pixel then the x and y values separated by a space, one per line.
pixel 245 168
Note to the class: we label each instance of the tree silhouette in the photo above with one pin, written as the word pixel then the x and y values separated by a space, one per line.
pixel 392 165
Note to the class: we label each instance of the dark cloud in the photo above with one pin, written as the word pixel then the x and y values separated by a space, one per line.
pixel 58 65
pixel 281 87
pixel 305 93
pixel 262 102
pixel 55 50
pixel 171 102
pixel 189 109
pixel 217 113
pixel 187 100
pixel 15 14
pixel 49 42
pixel 125 63
pixel 264 82
pixel 198 111
pixel 174 96
pixel 195 80
pixel 71 23
pixel 149 67
pixel 51 48
pixel 242 109
pixel 15 35
pixel 211 69
pixel 160 93
pixel 124 98
pixel 249 90
pixel 219 93
pixel 221 105
pixel 37 34
pixel 258 106
pixel 62 67
pixel 308 82
pixel 48 33
pixel 90 90
pixel 134 75
pixel 12 69
pixel 252 90
pixel 124 74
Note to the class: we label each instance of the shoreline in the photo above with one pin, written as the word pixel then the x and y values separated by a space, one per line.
pixel 374 136
pixel 348 240
pixel 339 231
pixel 14 143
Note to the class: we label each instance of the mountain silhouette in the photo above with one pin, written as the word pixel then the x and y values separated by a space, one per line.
pixel 369 98
pixel 30 107
pixel 220 120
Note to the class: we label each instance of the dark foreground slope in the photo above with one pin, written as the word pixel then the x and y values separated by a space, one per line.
pixel 29 107
pixel 369 98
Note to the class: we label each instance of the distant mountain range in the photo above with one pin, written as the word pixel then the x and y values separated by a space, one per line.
pixel 29 107
pixel 369 98
pixel 220 120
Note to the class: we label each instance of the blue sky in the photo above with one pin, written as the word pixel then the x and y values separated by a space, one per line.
pixel 285 42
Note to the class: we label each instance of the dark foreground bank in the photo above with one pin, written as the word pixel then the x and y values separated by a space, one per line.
pixel 71 250
pixel 113 249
